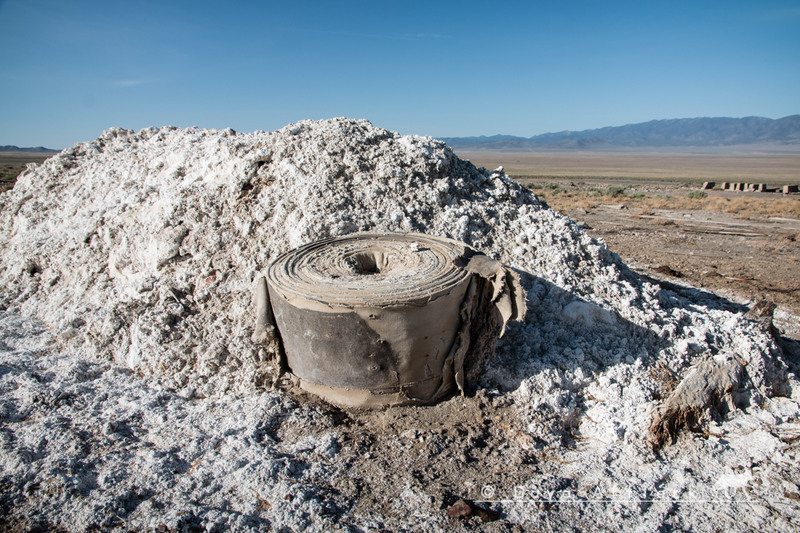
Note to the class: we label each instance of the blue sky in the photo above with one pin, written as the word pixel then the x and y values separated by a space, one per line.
pixel 71 69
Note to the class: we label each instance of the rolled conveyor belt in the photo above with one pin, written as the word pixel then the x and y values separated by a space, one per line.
pixel 370 320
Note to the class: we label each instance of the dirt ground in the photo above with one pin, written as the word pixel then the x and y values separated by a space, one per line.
pixel 744 255
pixel 12 163
pixel 775 165
pixel 648 207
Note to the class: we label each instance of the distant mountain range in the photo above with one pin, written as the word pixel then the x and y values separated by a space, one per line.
pixel 680 132
pixel 685 132
pixel 39 149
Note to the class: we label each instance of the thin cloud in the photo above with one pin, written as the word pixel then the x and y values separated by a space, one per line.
pixel 403 37
pixel 782 14
pixel 130 82
pixel 432 36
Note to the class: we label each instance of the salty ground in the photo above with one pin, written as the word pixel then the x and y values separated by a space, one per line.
pixel 134 400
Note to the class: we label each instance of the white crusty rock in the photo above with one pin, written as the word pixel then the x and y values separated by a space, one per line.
pixel 132 395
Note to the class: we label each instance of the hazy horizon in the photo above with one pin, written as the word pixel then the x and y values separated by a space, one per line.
pixel 791 147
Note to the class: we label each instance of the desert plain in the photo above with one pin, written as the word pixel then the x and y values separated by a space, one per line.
pixel 650 208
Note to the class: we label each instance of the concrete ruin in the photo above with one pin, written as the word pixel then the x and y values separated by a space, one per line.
pixel 752 187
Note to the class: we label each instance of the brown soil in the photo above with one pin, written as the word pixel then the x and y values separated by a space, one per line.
pixel 706 164
pixel 743 246
pixel 13 163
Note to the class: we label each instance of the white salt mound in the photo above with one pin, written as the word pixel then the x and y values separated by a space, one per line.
pixel 140 250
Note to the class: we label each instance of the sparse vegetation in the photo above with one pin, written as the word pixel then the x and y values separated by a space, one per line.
pixel 571 194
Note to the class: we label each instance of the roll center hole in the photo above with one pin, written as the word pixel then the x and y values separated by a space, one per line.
pixel 369 262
